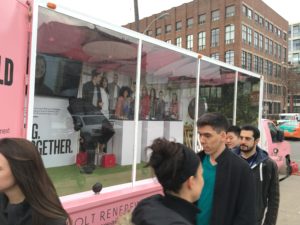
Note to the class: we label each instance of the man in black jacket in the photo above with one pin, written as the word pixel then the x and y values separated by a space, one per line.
pixel 228 194
pixel 91 90
pixel 265 174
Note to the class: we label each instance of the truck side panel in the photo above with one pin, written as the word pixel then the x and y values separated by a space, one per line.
pixel 13 60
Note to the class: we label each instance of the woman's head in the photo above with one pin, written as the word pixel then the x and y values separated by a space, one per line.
pixel 104 82
pixel 125 91
pixel 28 173
pixel 176 167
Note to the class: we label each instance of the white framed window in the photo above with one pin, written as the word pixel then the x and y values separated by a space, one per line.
pixel 201 40
pixel 179 42
pixel 229 57
pixel 189 22
pixel 230 11
pixel 229 34
pixel 215 35
pixel 215 15
pixel 215 55
pixel 189 42
pixel 202 18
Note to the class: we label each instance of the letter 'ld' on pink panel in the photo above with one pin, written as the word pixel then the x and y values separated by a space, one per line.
pixel 13 58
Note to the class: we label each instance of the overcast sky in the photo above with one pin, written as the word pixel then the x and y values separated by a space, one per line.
pixel 120 12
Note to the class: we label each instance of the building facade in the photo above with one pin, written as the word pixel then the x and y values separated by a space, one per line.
pixel 294 68
pixel 247 34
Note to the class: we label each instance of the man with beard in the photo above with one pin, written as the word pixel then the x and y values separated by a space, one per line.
pixel 265 174
pixel 228 193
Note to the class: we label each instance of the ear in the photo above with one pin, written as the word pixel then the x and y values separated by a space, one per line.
pixel 257 140
pixel 190 182
pixel 223 135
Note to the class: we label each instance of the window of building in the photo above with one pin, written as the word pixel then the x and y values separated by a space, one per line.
pixel 215 55
pixel 229 34
pixel 275 49
pixel 178 42
pixel 244 33
pixel 249 35
pixel 266 45
pixel 244 10
pixel 169 41
pixel 189 22
pixel 201 40
pixel 260 65
pixel 275 30
pixel 249 13
pixel 255 39
pixel 261 21
pixel 215 15
pixel 260 42
pixel 229 57
pixel 202 19
pixel 296 30
pixel 296 58
pixel 243 61
pixel 230 11
pixel 270 68
pixel 284 54
pixel 270 47
pixel 271 27
pixel 255 64
pixel 266 63
pixel 266 25
pixel 256 17
pixel 246 61
pixel 296 44
pixel 249 62
pixel 215 33
pixel 189 42
pixel 178 25
pixel 168 28
pixel 278 32
pixel 158 31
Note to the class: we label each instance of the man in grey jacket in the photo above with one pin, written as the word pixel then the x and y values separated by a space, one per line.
pixel 265 173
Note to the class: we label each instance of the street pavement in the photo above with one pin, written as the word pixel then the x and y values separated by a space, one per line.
pixel 289 209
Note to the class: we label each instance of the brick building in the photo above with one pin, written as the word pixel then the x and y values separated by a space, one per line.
pixel 247 34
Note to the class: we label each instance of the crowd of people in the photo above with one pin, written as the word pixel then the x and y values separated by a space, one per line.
pixel 231 182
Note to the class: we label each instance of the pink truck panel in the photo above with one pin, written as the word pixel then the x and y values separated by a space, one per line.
pixel 105 208
pixel 13 57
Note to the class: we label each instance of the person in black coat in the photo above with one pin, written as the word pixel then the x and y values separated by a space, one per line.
pixel 265 172
pixel 91 90
pixel 179 172
pixel 228 196
pixel 27 195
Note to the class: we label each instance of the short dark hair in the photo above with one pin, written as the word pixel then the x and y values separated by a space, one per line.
pixel 255 130
pixel 94 73
pixel 214 119
pixel 234 129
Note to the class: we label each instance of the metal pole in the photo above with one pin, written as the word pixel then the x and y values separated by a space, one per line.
pixel 136 15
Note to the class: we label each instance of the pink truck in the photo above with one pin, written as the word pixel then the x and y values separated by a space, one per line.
pixel 35 100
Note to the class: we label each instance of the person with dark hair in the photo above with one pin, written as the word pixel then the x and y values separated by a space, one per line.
pixel 114 91
pixel 104 96
pixel 144 104
pixel 91 90
pixel 228 193
pixel 27 195
pixel 40 71
pixel 153 104
pixel 160 109
pixel 265 173
pixel 179 172
pixel 123 103
pixel 233 137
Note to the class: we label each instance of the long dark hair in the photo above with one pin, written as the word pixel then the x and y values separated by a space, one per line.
pixel 30 174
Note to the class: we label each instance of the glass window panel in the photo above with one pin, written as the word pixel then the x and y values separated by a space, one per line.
pixel 167 88
pixel 83 104
pixel 247 100
pixel 216 89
